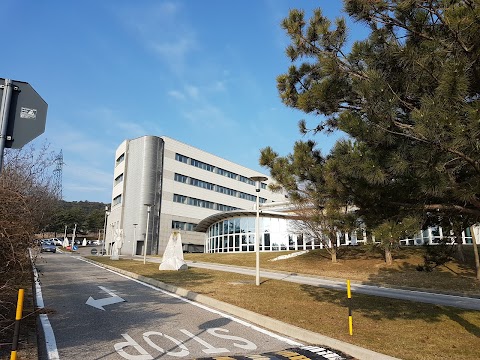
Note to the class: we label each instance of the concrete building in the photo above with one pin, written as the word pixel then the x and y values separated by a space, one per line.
pixel 181 185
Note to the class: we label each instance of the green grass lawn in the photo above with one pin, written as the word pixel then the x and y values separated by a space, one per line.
pixel 402 329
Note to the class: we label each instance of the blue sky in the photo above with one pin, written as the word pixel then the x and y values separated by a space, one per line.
pixel 200 71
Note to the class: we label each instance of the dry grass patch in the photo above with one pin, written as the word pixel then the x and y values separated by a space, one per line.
pixel 402 329
pixel 364 265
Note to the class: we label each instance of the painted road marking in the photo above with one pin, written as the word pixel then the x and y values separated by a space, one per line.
pixel 179 346
pixel 100 303
pixel 301 353
pixel 197 304
pixel 50 342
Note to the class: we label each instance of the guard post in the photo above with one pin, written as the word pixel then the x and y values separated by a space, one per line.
pixel 18 317
pixel 349 299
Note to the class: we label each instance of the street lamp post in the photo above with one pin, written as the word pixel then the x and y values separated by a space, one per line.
pixel 134 237
pixel 73 239
pixel 258 180
pixel 104 230
pixel 146 233
pixel 110 244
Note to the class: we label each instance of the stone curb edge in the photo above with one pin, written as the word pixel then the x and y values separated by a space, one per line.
pixel 277 326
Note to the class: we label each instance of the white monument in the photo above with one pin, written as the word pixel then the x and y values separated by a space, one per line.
pixel 173 255
pixel 84 242
pixel 117 245
pixel 65 242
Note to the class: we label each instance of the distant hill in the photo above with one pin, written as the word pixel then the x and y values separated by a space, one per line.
pixel 89 217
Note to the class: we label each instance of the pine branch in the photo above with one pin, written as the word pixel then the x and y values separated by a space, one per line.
pixel 475 164
pixel 461 209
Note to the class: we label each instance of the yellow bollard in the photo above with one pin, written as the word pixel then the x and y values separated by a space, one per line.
pixel 350 319
pixel 18 317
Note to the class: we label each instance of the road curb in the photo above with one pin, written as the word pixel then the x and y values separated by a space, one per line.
pixel 277 326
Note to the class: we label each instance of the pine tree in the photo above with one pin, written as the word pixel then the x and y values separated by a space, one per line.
pixel 407 96
pixel 304 175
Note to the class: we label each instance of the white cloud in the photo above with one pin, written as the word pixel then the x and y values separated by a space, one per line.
pixel 131 129
pixel 192 92
pixel 208 115
pixel 176 94
pixel 174 51
pixel 161 29
pixel 219 86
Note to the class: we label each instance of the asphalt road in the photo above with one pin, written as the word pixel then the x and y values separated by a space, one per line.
pixel 98 314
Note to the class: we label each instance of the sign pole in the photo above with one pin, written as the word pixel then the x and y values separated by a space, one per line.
pixel 4 112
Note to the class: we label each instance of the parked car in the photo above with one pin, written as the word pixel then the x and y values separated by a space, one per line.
pixel 48 246
pixel 57 241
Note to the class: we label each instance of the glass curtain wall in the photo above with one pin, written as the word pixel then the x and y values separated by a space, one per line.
pixel 238 235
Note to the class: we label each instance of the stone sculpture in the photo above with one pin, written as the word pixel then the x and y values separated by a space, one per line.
pixel 173 255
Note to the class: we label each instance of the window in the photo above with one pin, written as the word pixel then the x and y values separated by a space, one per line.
pixel 117 200
pixel 221 207
pixel 246 196
pixel 180 225
pixel 181 178
pixel 202 165
pixel 202 184
pixel 120 159
pixel 179 198
pixel 226 173
pixel 224 190
pixel 200 203
pixel 181 158
pixel 119 179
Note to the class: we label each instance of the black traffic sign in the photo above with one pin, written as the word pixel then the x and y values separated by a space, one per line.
pixel 27 115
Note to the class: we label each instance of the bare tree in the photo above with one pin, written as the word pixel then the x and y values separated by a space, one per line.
pixel 26 202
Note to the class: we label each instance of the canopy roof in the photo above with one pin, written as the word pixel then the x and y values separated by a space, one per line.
pixel 212 219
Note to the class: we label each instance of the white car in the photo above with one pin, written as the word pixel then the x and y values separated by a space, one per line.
pixel 57 241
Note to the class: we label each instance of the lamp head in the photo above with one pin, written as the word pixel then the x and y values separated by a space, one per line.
pixel 258 180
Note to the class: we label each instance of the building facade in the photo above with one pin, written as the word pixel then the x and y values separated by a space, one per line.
pixel 180 185
pixel 234 231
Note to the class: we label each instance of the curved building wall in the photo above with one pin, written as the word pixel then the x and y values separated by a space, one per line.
pixel 137 181
pixel 237 234
pixel 142 186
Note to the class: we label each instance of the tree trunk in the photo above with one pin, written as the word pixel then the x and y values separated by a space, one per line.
pixel 475 252
pixel 334 255
pixel 459 251
pixel 388 255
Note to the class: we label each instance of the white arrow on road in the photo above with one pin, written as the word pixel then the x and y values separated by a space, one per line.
pixel 100 303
